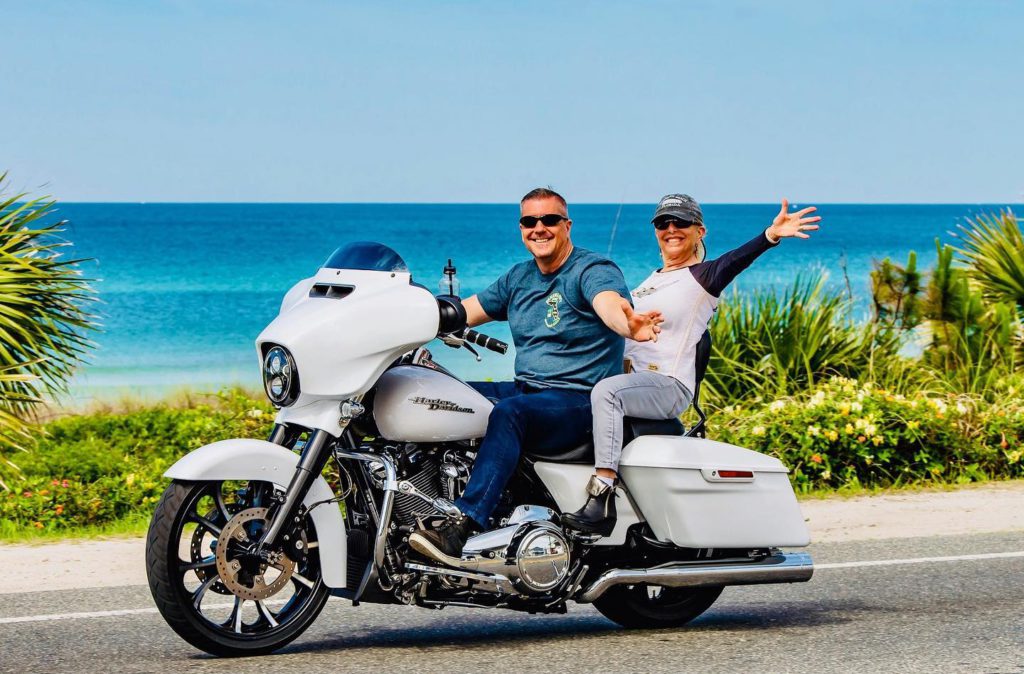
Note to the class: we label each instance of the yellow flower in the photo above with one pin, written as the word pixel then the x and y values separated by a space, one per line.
pixel 877 440
pixel 849 429
pixel 860 423
pixel 870 430
pixel 912 425
pixel 831 435
pixel 813 430
pixel 757 430
pixel 844 408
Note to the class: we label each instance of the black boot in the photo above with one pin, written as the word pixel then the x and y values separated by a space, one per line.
pixel 443 544
pixel 597 516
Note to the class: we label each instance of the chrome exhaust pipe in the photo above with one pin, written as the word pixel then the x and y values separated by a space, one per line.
pixel 788 567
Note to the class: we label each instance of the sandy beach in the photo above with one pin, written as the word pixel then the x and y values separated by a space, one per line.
pixel 978 509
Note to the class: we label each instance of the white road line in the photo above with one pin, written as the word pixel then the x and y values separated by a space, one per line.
pixel 817 567
pixel 75 616
pixel 919 560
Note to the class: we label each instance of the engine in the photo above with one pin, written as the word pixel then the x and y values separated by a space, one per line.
pixel 531 552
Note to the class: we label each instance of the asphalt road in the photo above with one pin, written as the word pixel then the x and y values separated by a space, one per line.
pixel 963 615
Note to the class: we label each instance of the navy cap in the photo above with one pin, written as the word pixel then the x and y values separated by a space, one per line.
pixel 680 206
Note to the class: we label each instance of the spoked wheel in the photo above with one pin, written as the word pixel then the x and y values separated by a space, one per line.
pixel 207 580
pixel 654 606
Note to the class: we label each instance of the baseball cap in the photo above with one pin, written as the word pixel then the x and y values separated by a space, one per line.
pixel 681 206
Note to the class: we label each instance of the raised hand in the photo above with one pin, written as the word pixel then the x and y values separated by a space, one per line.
pixel 642 327
pixel 788 224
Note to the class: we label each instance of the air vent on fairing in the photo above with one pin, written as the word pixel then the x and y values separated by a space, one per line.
pixel 330 291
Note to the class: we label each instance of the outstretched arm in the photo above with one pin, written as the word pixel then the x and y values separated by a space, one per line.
pixel 618 315
pixel 715 275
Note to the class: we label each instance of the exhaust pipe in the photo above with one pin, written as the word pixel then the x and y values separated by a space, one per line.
pixel 791 567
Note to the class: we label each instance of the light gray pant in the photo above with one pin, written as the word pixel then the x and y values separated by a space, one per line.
pixel 647 395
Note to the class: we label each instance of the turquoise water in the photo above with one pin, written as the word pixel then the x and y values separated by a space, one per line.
pixel 186 288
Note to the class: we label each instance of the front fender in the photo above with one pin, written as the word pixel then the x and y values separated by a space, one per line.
pixel 249 459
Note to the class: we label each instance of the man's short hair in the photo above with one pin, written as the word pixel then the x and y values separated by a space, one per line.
pixel 544 193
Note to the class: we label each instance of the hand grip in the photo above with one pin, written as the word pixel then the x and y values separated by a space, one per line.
pixel 486 342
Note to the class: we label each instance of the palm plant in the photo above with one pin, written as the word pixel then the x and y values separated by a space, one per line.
pixel 44 315
pixel 993 251
pixel 767 346
pixel 973 333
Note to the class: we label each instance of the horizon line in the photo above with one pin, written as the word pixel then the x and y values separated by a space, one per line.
pixel 514 203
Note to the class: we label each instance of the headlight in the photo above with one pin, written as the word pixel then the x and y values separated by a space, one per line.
pixel 280 377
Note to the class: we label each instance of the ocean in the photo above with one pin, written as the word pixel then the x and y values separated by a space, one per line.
pixel 186 288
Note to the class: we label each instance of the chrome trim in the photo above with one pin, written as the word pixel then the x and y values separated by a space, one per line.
pixel 788 567
pixel 501 583
pixel 390 487
pixel 442 505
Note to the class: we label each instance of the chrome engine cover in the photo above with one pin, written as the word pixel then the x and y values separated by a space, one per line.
pixel 531 551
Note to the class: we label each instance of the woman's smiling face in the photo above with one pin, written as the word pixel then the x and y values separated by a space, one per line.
pixel 678 242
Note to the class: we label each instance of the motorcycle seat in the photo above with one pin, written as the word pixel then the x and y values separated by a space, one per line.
pixel 631 428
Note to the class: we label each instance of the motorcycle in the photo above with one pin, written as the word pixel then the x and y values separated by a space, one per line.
pixel 373 439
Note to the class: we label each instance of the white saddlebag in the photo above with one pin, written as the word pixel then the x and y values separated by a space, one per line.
pixel 700 493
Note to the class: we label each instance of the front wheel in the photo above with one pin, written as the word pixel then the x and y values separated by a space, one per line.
pixel 652 607
pixel 210 586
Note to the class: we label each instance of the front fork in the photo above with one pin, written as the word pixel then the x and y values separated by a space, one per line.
pixel 315 455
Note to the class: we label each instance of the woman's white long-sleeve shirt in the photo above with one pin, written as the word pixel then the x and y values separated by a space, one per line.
pixel 687 299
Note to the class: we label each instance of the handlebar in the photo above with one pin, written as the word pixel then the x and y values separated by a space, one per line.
pixel 486 342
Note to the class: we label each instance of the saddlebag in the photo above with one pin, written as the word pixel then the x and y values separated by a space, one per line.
pixel 700 493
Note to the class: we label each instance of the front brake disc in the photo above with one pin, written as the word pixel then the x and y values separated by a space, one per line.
pixel 231 549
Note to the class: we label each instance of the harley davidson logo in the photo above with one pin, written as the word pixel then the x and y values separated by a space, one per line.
pixel 443 405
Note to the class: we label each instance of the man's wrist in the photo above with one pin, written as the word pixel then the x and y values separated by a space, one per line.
pixel 772 239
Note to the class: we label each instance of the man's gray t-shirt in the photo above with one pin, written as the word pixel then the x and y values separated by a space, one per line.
pixel 560 340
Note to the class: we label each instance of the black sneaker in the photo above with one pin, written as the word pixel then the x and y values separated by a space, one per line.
pixel 597 516
pixel 443 544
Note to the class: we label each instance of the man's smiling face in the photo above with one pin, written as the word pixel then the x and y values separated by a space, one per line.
pixel 547 244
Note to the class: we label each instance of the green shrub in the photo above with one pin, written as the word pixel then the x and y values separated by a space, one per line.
pixel 766 346
pixel 846 434
pixel 94 469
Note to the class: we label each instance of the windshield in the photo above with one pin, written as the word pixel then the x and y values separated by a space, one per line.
pixel 366 255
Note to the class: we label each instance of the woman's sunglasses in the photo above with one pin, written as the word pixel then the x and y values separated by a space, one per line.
pixel 549 220
pixel 662 225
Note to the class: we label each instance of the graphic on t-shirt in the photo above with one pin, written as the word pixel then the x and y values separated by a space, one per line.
pixel 552 318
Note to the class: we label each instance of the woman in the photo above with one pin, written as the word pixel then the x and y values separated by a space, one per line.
pixel 661 372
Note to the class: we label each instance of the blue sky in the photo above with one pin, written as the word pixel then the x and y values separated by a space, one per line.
pixel 893 101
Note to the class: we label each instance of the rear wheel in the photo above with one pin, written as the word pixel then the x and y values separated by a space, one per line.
pixel 654 606
pixel 208 584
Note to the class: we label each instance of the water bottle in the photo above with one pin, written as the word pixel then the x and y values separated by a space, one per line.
pixel 449 284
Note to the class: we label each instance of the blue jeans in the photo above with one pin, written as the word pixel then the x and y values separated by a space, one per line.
pixel 545 420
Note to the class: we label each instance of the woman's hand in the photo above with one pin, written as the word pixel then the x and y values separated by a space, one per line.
pixel 788 224
pixel 642 327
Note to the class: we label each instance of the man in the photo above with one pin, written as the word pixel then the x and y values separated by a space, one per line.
pixel 568 312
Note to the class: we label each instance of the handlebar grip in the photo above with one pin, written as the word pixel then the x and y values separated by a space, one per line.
pixel 486 342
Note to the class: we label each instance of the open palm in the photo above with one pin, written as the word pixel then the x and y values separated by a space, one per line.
pixel 795 224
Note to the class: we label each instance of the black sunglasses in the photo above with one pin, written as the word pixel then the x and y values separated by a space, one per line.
pixel 662 225
pixel 549 220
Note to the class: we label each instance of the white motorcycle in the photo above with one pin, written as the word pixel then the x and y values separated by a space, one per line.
pixel 250 539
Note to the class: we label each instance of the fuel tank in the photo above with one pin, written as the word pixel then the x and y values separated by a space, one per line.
pixel 415 403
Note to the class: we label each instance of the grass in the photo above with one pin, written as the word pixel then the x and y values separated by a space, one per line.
pixel 133 526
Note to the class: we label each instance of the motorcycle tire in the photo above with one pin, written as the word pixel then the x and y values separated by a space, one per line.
pixel 650 607
pixel 195 614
